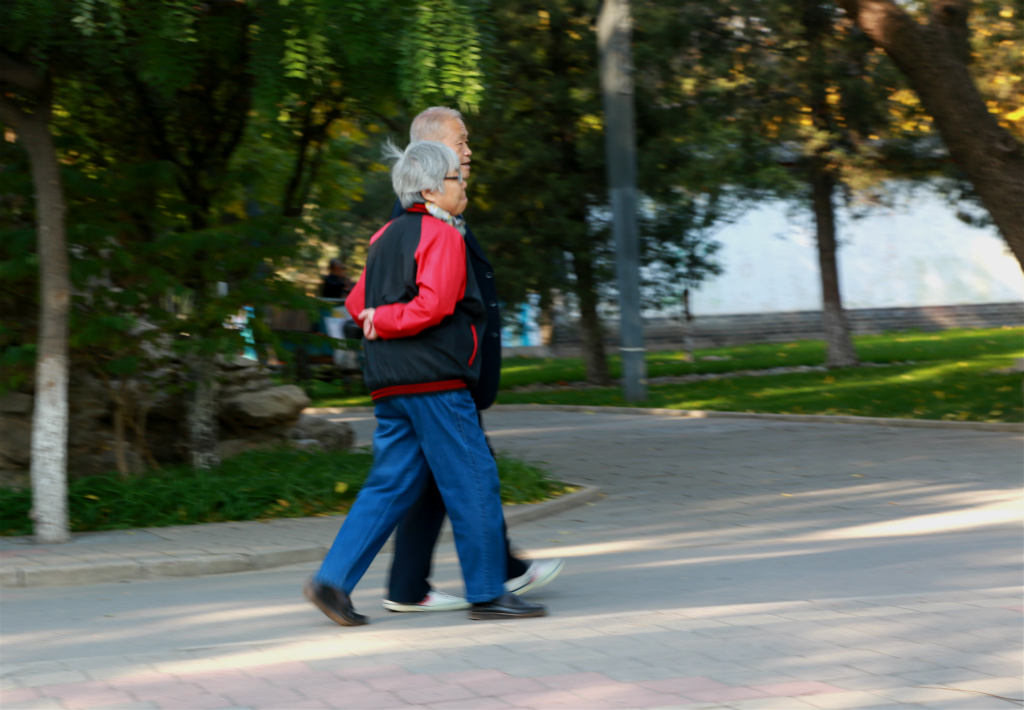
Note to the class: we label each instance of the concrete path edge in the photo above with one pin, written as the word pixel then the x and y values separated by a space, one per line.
pixel 152 566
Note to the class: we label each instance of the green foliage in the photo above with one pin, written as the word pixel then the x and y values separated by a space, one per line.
pixel 441 52
pixel 202 143
pixel 257 485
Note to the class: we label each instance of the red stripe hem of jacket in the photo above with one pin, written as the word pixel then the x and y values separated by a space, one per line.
pixel 421 388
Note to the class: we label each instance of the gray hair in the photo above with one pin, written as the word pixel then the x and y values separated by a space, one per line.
pixel 423 165
pixel 429 124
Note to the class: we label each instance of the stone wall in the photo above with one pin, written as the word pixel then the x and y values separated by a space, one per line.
pixel 253 412
pixel 744 328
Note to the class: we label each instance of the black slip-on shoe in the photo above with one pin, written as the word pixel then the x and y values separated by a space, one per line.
pixel 335 603
pixel 507 606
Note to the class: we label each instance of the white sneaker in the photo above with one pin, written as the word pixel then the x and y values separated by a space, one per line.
pixel 434 601
pixel 537 575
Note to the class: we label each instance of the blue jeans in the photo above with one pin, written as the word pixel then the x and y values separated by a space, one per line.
pixel 415 435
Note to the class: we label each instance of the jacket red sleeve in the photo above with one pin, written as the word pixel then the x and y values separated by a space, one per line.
pixel 355 301
pixel 441 278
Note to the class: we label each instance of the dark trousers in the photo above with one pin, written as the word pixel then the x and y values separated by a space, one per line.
pixel 415 539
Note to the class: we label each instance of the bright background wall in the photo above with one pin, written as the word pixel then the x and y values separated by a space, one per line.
pixel 916 255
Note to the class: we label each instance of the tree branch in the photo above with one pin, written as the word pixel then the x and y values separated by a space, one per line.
pixel 21 75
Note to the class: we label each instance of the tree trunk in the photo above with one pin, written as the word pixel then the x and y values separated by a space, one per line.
pixel 50 416
pixel 202 413
pixel 687 327
pixel 595 361
pixel 934 59
pixel 817 24
pixel 839 344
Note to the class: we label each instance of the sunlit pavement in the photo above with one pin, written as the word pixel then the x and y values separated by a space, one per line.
pixel 733 563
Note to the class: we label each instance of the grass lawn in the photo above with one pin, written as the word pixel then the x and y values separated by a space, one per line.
pixel 943 375
pixel 257 485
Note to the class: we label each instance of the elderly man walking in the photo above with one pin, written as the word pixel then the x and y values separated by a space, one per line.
pixel 409 584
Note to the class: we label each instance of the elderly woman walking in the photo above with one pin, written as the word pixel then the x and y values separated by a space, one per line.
pixel 421 312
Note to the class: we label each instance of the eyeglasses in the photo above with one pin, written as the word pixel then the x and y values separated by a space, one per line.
pixel 454 177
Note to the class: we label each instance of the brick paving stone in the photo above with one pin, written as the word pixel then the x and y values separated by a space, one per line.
pixel 869 682
pixel 683 686
pixel 851 699
pixel 472 704
pixel 446 664
pixel 571 681
pixel 942 676
pixel 39 704
pixel 53 678
pixel 203 701
pixel 885 611
pixel 968 703
pixel 297 678
pixel 9 684
pixel 531 668
pixel 503 685
pixel 891 666
pixel 17 695
pixel 470 677
pixel 797 688
pixel 338 688
pixel 222 680
pixel 770 704
pixel 267 696
pixel 369 701
pixel 89 697
pixel 368 672
pixel 428 694
pixel 402 682
pixel 1011 686
pixel 755 620
pixel 156 688
pixel 551 699
pixel 719 695
pixel 642 698
pixel 638 673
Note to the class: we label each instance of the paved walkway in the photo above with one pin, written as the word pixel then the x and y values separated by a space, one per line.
pixel 730 563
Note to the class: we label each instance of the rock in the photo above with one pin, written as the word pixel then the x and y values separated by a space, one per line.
pixel 276 406
pixel 16 403
pixel 230 448
pixel 15 442
pixel 335 436
pixel 87 397
pixel 307 444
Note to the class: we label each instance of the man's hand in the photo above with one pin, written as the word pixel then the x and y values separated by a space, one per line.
pixel 369 332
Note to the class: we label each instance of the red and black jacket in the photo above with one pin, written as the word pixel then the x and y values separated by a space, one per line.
pixel 429 316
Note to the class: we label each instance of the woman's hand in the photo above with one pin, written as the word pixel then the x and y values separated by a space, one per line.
pixel 369 332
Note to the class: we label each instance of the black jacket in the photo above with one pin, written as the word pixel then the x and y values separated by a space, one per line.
pixel 429 313
pixel 486 389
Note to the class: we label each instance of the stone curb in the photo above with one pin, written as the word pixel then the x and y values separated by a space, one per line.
pixel 1015 427
pixel 127 567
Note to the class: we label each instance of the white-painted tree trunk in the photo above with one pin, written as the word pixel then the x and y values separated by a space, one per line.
pixel 50 451
pixel 50 415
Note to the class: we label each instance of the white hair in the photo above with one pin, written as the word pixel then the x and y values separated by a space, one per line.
pixel 429 124
pixel 423 165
